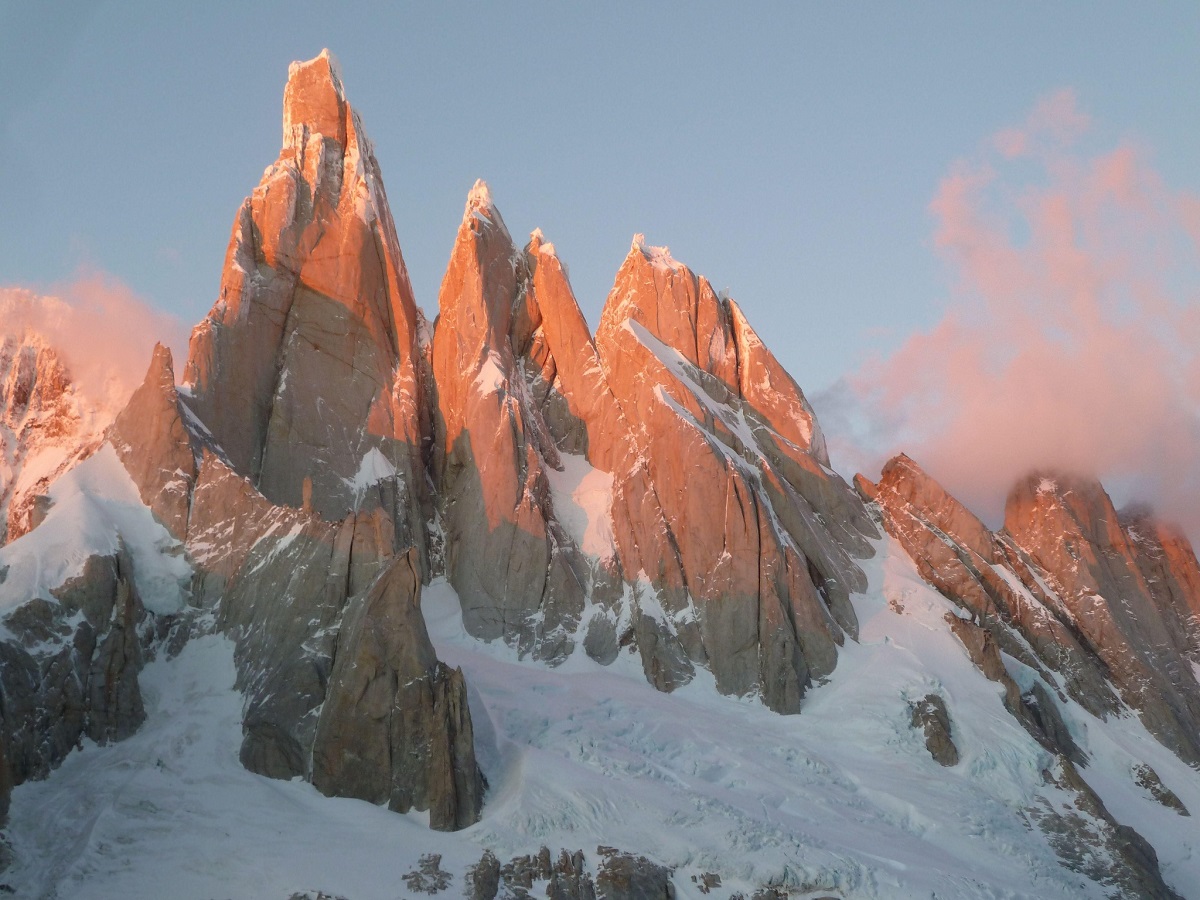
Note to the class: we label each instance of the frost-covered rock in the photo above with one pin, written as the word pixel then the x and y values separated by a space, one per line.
pixel 69 669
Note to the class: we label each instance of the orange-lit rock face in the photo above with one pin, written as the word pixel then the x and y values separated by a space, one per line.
pixel 1069 528
pixel 739 499
pixel 715 555
pixel 1067 588
pixel 987 576
pixel 506 554
pixel 307 365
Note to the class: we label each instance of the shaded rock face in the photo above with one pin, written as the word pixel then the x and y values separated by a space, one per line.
pixel 70 671
pixel 153 443
pixel 665 485
pixel 342 685
pixel 1088 840
pixel 1100 608
pixel 45 429
pixel 394 727
pixel 306 370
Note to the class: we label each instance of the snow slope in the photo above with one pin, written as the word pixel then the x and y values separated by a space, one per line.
pixel 95 508
pixel 842 800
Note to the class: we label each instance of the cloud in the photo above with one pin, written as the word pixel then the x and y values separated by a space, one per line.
pixel 103 331
pixel 1072 335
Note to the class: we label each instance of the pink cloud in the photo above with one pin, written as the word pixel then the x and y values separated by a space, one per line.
pixel 103 331
pixel 1055 122
pixel 1075 347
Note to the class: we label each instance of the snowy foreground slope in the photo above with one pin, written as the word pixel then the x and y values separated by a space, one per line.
pixel 843 800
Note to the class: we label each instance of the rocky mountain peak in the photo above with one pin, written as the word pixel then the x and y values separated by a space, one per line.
pixel 46 427
pixel 1048 507
pixel 314 101
pixel 904 482
pixel 34 380
pixel 659 257
pixel 306 371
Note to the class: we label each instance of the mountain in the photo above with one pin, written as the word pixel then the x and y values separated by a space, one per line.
pixel 588 614
pixel 46 427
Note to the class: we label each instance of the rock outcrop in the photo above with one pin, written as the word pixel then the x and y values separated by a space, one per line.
pixel 330 648
pixel 619 875
pixel 394 727
pixel 1095 570
pixel 306 370
pixel 579 479
pixel 759 536
pixel 155 447
pixel 1036 590
pixel 517 570
pixel 68 670
pixel 931 716
pixel 1105 609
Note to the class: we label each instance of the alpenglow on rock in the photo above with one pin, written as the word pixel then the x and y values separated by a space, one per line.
pixel 665 485
pixel 1102 604
pixel 306 370
pixel 46 427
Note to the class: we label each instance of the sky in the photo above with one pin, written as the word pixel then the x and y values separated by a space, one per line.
pixel 855 175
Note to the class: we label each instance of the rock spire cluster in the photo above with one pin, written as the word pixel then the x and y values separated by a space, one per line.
pixel 659 488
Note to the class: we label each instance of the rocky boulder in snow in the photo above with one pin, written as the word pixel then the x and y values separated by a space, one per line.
pixel 930 715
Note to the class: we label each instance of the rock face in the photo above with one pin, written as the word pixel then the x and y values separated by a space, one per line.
pixel 579 479
pixel 394 727
pixel 306 370
pixel 930 715
pixel 330 648
pixel 1097 570
pixel 1042 590
pixel 69 670
pixel 759 537
pixel 154 445
pixel 45 429
pixel 1067 587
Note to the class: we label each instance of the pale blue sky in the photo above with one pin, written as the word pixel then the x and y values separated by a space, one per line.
pixel 787 151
